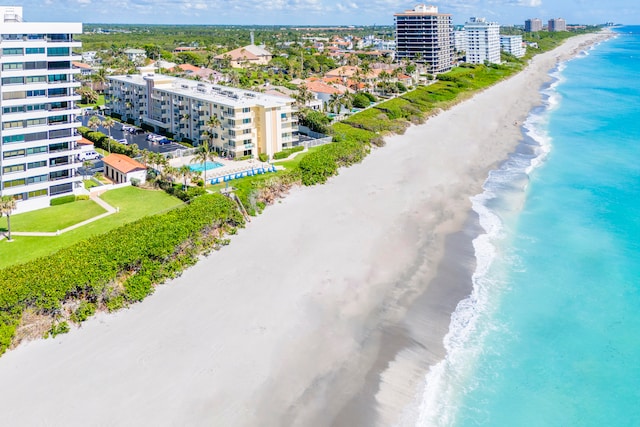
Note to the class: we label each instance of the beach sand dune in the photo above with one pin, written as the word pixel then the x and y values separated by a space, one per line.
pixel 309 317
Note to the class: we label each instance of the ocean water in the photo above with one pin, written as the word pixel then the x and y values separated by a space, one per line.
pixel 551 333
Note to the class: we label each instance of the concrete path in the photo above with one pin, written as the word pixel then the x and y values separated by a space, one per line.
pixel 109 211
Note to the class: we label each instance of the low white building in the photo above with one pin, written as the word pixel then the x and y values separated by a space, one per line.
pixel 120 169
pixel 513 45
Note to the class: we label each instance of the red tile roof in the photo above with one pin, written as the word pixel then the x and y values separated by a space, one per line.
pixel 123 163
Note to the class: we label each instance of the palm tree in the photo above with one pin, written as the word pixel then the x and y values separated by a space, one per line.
pixel 204 154
pixel 94 123
pixel 108 123
pixel 85 168
pixel 186 172
pixel 212 124
pixel 334 103
pixel 7 205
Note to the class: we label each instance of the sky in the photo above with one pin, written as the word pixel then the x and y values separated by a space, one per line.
pixel 320 12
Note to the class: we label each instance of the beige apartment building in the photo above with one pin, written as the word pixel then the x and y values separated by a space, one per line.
pixel 251 123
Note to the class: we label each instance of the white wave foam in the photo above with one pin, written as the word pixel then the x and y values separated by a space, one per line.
pixel 448 381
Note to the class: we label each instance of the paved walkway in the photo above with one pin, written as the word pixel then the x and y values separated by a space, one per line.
pixel 109 210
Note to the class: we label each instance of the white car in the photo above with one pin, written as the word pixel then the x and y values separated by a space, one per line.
pixel 88 155
pixel 123 141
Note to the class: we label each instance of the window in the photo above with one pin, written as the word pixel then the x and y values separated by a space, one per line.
pixel 62 188
pixel 246 131
pixel 36 122
pixel 58 175
pixel 35 137
pixel 57 119
pixel 12 51
pixel 12 125
pixel 37 193
pixel 37 65
pixel 245 121
pixel 36 150
pixel 64 160
pixel 56 78
pixel 59 37
pixel 14 168
pixel 35 79
pixel 12 80
pixel 58 92
pixel 15 109
pixel 34 50
pixel 57 51
pixel 35 165
pixel 39 92
pixel 13 138
pixel 12 154
pixel 246 110
pixel 61 146
pixel 59 65
pixel 36 107
pixel 14 95
pixel 12 66
pixel 60 133
pixel 14 183
pixel 34 179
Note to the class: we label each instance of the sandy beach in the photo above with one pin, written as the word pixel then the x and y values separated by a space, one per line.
pixel 326 310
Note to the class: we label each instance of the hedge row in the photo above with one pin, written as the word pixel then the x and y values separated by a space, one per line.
pixel 287 152
pixel 135 256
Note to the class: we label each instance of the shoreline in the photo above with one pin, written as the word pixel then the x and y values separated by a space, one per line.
pixel 308 303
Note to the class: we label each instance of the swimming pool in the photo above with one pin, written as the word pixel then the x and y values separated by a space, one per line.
pixel 199 167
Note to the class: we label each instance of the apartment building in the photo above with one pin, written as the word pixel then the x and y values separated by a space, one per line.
pixel 251 123
pixel 533 25
pixel 557 24
pixel 38 142
pixel 423 35
pixel 460 40
pixel 513 45
pixel 483 41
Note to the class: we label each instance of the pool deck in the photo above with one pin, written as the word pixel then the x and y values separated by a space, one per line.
pixel 228 168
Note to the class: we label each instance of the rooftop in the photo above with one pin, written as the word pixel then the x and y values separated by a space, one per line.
pixel 206 91
pixel 123 163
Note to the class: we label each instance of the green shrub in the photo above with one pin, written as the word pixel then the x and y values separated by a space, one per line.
pixel 287 152
pixel 83 312
pixel 82 197
pixel 62 200
pixel 371 96
pixel 57 329
pixel 360 100
pixel 263 157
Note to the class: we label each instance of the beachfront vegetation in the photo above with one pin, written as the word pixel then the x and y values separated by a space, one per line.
pixel 115 268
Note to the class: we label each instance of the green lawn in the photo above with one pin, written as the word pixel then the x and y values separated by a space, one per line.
pixel 290 164
pixel 134 203
pixel 100 102
pixel 53 218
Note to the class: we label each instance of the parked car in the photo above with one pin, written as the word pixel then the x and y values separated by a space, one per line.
pixel 123 141
pixel 88 155
pixel 164 141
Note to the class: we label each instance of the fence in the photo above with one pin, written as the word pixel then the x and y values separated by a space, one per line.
pixel 180 152
pixel 319 141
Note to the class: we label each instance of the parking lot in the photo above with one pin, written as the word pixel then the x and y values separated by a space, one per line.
pixel 139 138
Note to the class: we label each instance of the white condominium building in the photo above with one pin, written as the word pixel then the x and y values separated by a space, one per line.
pixel 513 45
pixel 460 40
pixel 250 123
pixel 38 142
pixel 423 35
pixel 483 41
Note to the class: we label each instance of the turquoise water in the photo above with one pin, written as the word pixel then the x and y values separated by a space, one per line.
pixel 551 334
pixel 199 167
